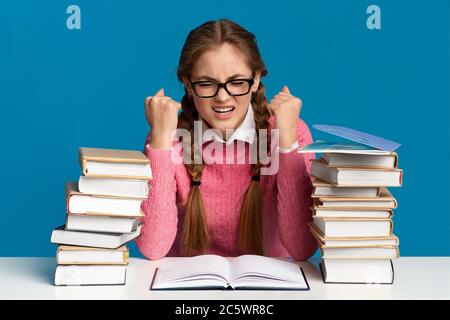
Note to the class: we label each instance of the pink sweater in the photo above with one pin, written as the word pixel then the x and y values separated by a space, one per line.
pixel 286 212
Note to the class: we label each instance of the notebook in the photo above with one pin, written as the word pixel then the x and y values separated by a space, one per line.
pixel 341 148
pixel 246 272
pixel 359 137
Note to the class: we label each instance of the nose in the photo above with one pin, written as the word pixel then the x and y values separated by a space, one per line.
pixel 222 95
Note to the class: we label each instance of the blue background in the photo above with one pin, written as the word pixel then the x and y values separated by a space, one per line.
pixel 62 89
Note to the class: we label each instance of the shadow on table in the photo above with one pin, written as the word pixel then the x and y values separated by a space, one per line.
pixel 44 271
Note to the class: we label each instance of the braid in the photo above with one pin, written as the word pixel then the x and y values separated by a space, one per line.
pixel 195 231
pixel 251 221
pixel 259 103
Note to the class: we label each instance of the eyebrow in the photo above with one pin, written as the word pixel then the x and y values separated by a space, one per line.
pixel 238 75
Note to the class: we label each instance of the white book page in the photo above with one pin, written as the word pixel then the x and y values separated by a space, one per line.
pixel 100 224
pixel 118 168
pixel 349 228
pixel 353 214
pixel 358 271
pixel 362 160
pixel 369 178
pixel 358 204
pixel 198 271
pixel 90 257
pixel 346 192
pixel 114 187
pixel 112 206
pixel 90 275
pixel 360 243
pixel 259 271
pixel 359 253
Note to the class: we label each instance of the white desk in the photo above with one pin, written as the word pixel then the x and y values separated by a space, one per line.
pixel 415 278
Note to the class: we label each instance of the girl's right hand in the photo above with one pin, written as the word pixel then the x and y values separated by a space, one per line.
pixel 162 115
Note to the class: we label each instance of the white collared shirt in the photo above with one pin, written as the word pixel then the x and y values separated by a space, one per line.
pixel 245 132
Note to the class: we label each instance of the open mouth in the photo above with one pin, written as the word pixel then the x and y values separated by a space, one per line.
pixel 223 109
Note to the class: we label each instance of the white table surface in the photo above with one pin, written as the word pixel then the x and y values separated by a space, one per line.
pixel 415 278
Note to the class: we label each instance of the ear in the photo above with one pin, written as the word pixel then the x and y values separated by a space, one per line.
pixel 257 79
pixel 187 85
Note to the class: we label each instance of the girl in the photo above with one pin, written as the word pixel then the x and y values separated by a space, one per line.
pixel 227 208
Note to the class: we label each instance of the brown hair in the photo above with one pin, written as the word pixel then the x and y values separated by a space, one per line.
pixel 195 232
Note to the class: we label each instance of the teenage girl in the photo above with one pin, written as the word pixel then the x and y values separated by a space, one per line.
pixel 229 209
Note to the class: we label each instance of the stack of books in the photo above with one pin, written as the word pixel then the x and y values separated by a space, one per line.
pixel 353 209
pixel 103 214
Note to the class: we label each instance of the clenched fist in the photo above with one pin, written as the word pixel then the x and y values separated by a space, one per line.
pixel 286 109
pixel 162 115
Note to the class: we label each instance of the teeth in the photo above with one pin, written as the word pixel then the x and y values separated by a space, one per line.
pixel 223 110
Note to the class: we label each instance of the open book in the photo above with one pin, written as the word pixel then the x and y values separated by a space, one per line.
pixel 216 272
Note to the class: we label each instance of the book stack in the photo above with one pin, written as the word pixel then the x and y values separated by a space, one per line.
pixel 353 209
pixel 103 214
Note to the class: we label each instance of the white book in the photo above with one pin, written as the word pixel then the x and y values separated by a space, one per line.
pixel 388 161
pixel 384 200
pixel 216 272
pixel 101 223
pixel 351 213
pixel 350 242
pixel 129 164
pixel 327 190
pixel 133 188
pixel 381 204
pixel 76 275
pixel 356 177
pixel 349 227
pixel 360 242
pixel 74 255
pixel 81 203
pixel 368 271
pixel 360 253
pixel 105 169
pixel 93 239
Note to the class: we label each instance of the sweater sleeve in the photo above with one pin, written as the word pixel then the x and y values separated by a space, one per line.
pixel 159 227
pixel 294 198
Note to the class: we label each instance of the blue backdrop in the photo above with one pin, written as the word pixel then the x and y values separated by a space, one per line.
pixel 61 89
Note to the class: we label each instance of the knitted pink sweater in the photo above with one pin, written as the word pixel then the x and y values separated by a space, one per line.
pixel 287 202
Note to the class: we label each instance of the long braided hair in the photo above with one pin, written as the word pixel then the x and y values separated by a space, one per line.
pixel 209 35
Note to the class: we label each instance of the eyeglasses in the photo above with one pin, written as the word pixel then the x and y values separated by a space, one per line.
pixel 234 87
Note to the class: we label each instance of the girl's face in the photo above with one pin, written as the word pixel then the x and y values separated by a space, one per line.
pixel 225 63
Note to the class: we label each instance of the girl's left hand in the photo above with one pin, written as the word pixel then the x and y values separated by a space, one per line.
pixel 286 109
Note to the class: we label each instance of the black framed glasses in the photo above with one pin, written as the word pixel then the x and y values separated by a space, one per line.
pixel 234 87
